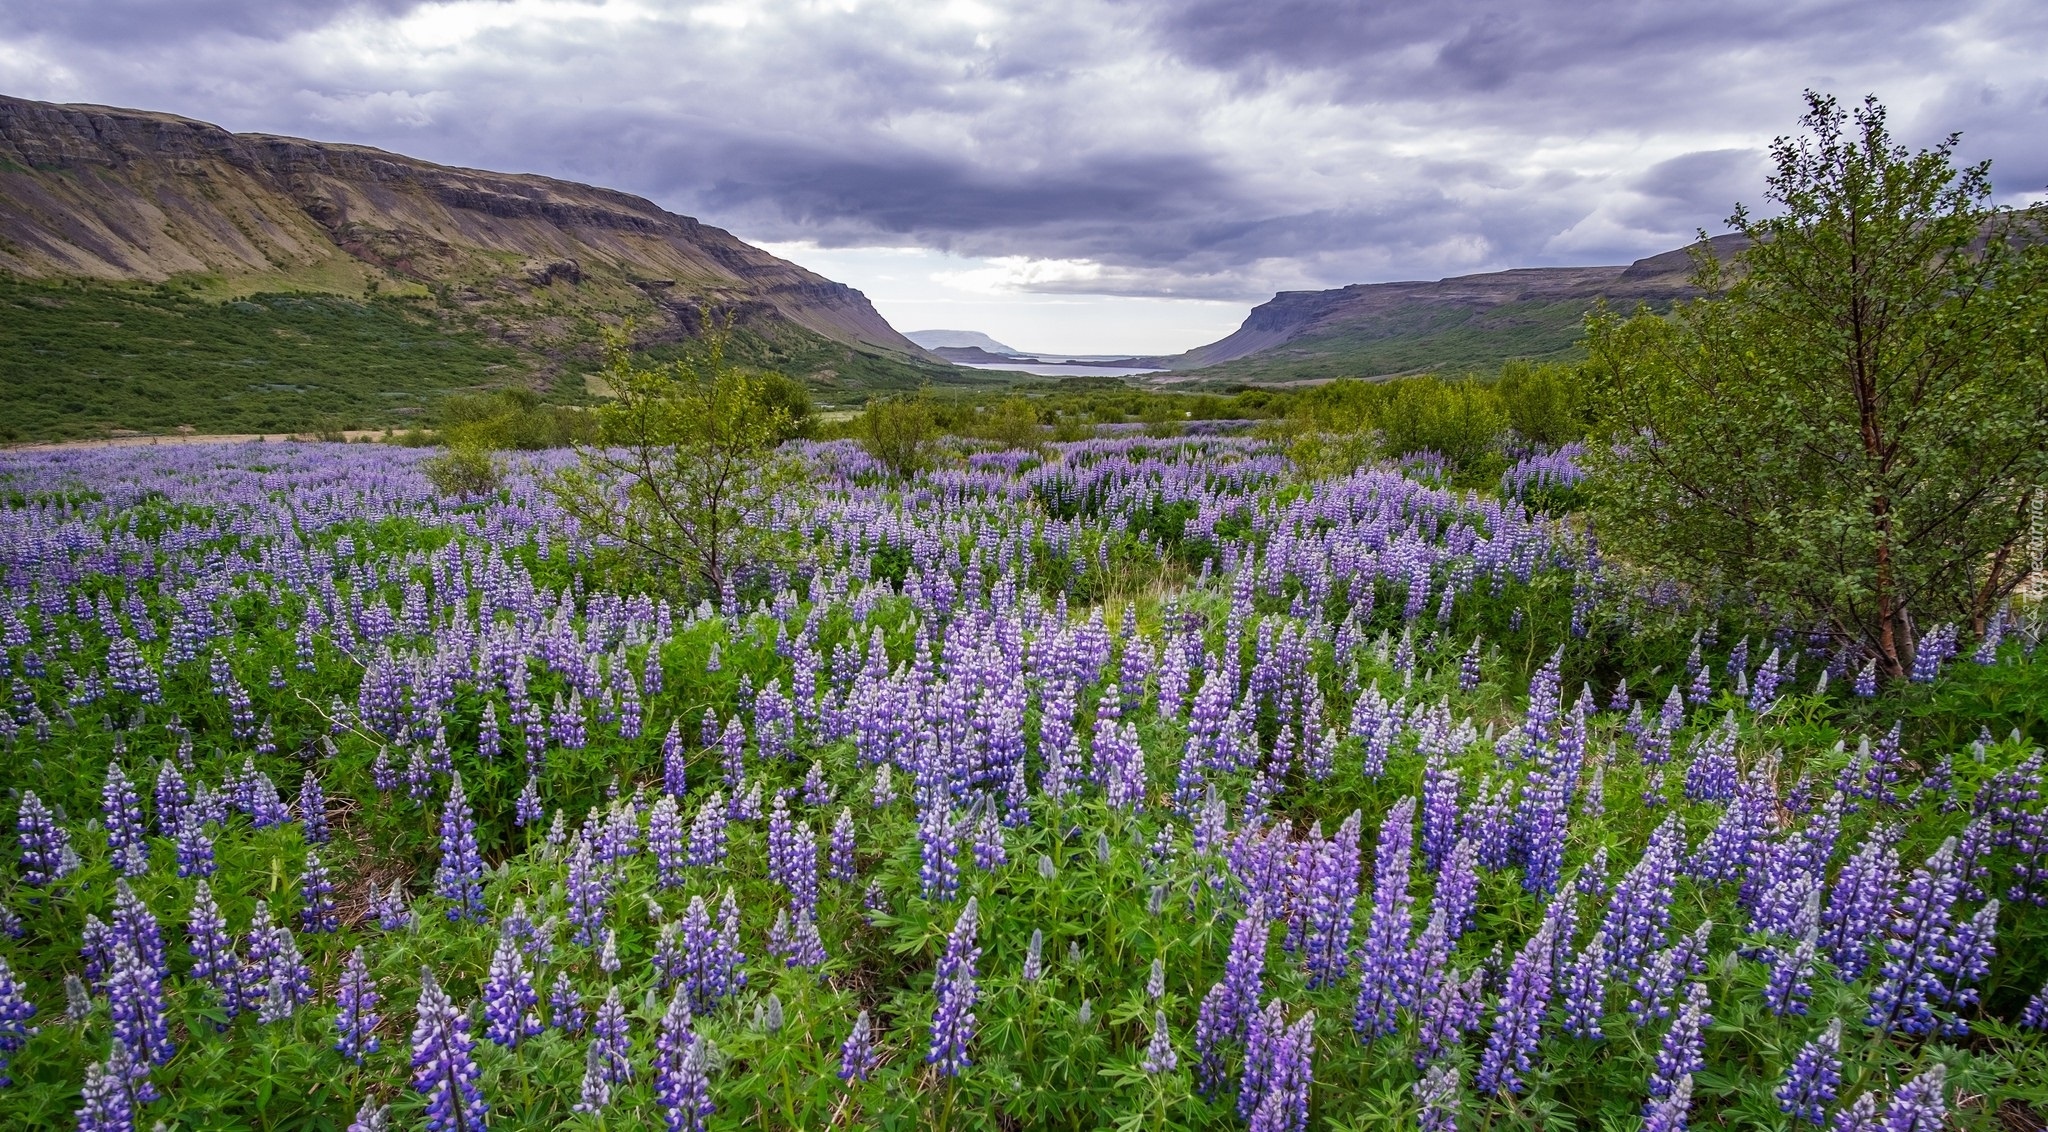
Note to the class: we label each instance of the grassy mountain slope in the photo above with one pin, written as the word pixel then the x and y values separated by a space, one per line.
pixel 517 272
pixel 1464 324
pixel 1424 338
pixel 80 359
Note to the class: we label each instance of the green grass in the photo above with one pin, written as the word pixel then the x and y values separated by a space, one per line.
pixel 81 359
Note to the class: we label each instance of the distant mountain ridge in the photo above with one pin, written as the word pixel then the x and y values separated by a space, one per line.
pixel 962 340
pixel 1464 323
pixel 104 193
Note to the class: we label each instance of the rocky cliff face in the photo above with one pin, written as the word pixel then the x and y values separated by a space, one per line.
pixel 116 194
pixel 1384 311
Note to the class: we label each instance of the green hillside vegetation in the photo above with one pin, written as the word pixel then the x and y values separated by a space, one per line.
pixel 1423 338
pixel 838 373
pixel 82 359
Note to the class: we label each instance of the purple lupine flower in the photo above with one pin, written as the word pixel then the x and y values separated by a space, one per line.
pixel 1468 667
pixel 953 1021
pixel 46 855
pixel 1921 1104
pixel 565 1006
pixel 665 840
pixel 194 845
pixel 1518 1018
pixel 213 950
pixel 595 1094
pixel 1763 691
pixel 1440 811
pixel 1273 1096
pixel 1860 905
pixel 857 1054
pixel 701 970
pixel 1812 1080
pixel 371 1117
pixel 1228 1008
pixel 611 1039
pixel 707 833
pixel 1866 680
pixel 312 810
pixel 589 890
pixel 1683 1050
pixel 730 965
pixel 1964 961
pixel 1384 983
pixel 443 1065
pixel 393 910
pixel 814 792
pixel 1657 981
pixel 682 1089
pixel 172 796
pixel 316 897
pixel 509 1001
pixel 490 743
pixel 526 809
pixel 840 865
pixel 460 875
pixel 1159 1055
pixel 1457 889
pixel 1670 1112
pixel 938 835
pixel 671 963
pixel 127 837
pixel 1438 1095
pixel 137 925
pixel 1909 982
pixel 1585 990
pixel 135 997
pixel 275 978
pixel 109 1095
pixel 674 765
pixel 15 1012
pixel 1859 1115
pixel 1790 983
pixel 1332 903
pixel 2034 1016
pixel 356 1017
pixel 1639 916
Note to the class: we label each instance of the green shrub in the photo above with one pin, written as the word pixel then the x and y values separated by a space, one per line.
pixel 464 470
pixel 900 432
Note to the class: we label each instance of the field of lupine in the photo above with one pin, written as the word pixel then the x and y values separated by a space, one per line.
pixel 1137 783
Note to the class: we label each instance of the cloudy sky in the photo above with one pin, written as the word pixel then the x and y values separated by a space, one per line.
pixel 1089 175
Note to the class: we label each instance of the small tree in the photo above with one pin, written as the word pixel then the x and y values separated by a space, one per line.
pixel 1014 423
pixel 684 471
pixel 900 432
pixel 1853 429
pixel 464 470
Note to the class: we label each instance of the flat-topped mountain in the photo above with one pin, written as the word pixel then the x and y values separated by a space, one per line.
pixel 1467 322
pixel 111 194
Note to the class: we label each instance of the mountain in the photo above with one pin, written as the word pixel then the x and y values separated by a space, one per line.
pixel 962 340
pixel 1463 324
pixel 125 197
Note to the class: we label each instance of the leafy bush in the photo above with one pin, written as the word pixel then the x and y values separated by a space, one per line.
pixel 463 470
pixel 512 419
pixel 900 432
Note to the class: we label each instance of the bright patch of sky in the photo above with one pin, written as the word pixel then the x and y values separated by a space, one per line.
pixel 921 289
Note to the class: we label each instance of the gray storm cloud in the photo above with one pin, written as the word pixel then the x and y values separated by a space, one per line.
pixel 1215 148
